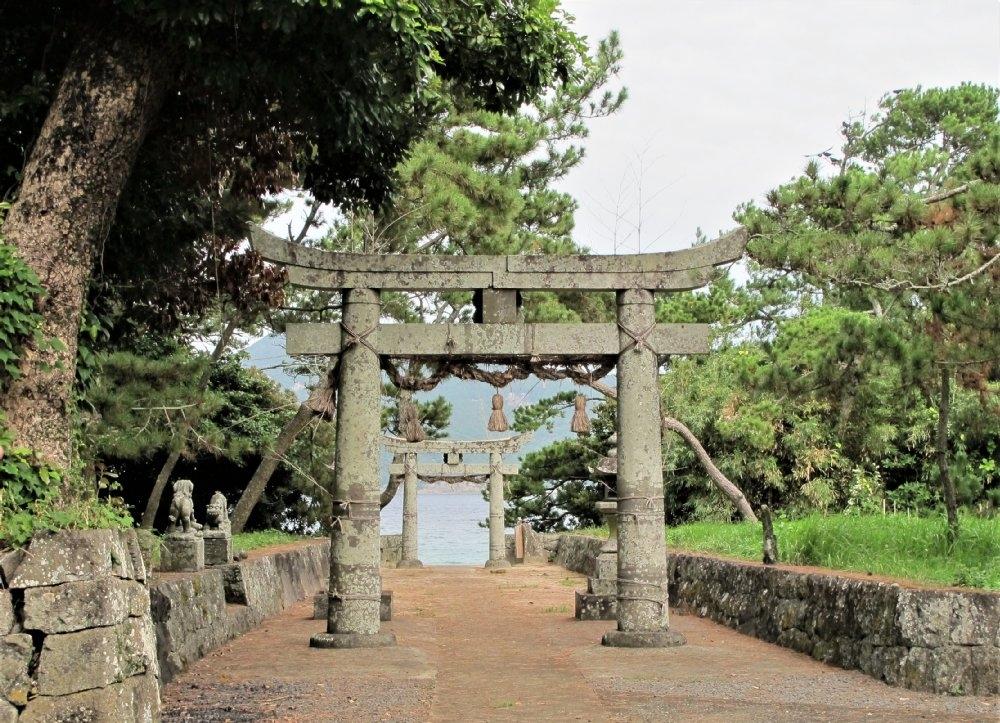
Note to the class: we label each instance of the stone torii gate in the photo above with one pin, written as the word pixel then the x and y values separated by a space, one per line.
pixel 636 342
pixel 454 466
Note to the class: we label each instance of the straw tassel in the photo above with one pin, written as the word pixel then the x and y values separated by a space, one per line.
pixel 409 421
pixel 580 423
pixel 498 422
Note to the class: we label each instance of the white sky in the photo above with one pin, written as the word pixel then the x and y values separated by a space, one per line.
pixel 728 97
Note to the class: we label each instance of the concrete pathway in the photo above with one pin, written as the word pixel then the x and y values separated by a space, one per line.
pixel 475 646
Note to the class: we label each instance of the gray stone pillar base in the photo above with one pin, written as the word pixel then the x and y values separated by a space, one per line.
pixel 596 607
pixel 497 564
pixel 218 548
pixel 321 606
pixel 409 563
pixel 642 639
pixel 341 641
pixel 182 552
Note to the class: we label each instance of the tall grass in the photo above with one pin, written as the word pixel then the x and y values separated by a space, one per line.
pixel 912 548
pixel 264 538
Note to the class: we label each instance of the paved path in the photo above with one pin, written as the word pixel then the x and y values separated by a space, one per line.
pixel 477 646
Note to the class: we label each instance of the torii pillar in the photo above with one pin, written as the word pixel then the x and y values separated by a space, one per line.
pixel 642 548
pixel 355 581
pixel 498 544
pixel 411 557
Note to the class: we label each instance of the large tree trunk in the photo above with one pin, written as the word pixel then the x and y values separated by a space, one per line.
pixel 944 468
pixel 721 481
pixel 255 488
pixel 111 89
pixel 153 503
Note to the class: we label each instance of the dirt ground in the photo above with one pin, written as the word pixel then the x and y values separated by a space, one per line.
pixel 476 646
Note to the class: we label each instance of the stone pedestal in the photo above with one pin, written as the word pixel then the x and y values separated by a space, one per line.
pixel 218 547
pixel 600 602
pixel 321 606
pixel 182 552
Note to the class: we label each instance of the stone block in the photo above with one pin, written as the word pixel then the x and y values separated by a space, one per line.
pixel 218 548
pixel 790 614
pixel 85 604
pixel 598 586
pixel 135 699
pixel 182 552
pixel 136 557
pixel 595 607
pixel 72 555
pixel 15 659
pixel 321 606
pixel 6 612
pixel 112 654
pixel 606 566
pixel 975 619
pixel 8 713
pixel 796 640
pixel 9 561
pixel 923 617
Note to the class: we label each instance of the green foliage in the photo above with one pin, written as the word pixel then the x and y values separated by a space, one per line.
pixel 265 538
pixel 555 489
pixel 899 546
pixel 30 500
pixel 19 316
pixel 483 182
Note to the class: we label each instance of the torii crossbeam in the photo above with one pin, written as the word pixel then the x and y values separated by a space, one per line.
pixel 454 466
pixel 636 341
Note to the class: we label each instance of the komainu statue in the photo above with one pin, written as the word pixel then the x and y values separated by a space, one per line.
pixel 218 513
pixel 182 508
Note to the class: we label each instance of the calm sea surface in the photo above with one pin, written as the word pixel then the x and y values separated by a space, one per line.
pixel 448 525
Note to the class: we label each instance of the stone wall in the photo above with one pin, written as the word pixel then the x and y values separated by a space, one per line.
pixel 196 612
pixel 76 637
pixel 942 641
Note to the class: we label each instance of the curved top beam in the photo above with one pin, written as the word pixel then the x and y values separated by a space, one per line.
pixel 502 445
pixel 728 247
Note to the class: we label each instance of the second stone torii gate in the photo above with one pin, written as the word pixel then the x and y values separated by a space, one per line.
pixel 635 343
pixel 454 466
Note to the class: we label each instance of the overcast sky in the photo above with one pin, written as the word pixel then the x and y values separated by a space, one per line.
pixel 728 97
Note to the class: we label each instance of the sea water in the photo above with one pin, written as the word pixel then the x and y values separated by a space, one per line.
pixel 448 527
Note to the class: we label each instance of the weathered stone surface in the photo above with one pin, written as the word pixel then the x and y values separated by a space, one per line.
pixel 595 607
pixel 8 713
pixel 391 549
pixel 942 641
pixel 602 586
pixel 15 659
pixel 73 555
pixel 577 553
pixel 321 606
pixel 112 654
pixel 195 613
pixel 218 548
pixel 6 612
pixel 135 699
pixel 8 564
pixel 182 552
pixel 84 604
